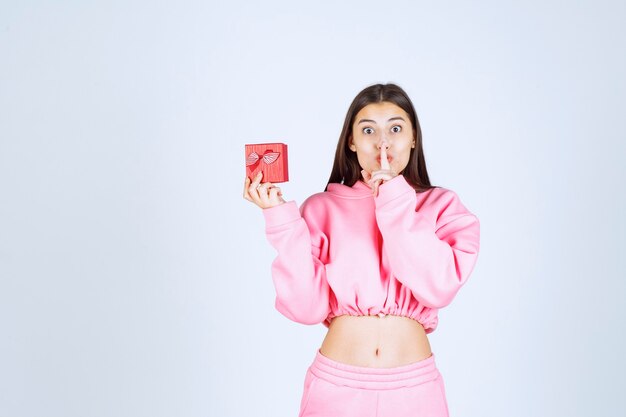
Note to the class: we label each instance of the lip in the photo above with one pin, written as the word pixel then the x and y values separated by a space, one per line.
pixel 389 159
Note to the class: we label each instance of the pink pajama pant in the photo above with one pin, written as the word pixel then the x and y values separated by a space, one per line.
pixel 335 389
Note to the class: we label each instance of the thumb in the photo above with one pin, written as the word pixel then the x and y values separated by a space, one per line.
pixel 366 175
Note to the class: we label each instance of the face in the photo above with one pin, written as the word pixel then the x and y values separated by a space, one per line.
pixel 378 125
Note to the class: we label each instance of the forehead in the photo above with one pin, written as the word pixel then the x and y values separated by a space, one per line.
pixel 381 112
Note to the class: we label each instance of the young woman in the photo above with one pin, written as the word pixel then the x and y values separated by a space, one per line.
pixel 372 258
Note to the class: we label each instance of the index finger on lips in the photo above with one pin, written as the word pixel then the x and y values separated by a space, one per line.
pixel 384 163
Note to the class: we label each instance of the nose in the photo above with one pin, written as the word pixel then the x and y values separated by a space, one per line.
pixel 383 142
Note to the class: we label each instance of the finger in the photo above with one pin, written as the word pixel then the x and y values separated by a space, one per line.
pixel 376 185
pixel 381 175
pixel 257 179
pixel 384 163
pixel 253 189
pixel 366 175
pixel 374 176
pixel 263 192
pixel 274 192
pixel 254 197
pixel 268 186
pixel 246 185
pixel 372 180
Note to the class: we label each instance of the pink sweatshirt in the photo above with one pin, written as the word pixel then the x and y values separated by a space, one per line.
pixel 347 252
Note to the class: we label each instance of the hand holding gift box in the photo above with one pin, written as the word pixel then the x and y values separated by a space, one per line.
pixel 265 162
pixel 270 158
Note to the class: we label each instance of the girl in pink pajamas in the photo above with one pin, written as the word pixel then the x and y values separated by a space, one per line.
pixel 373 258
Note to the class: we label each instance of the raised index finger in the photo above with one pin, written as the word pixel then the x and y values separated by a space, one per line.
pixel 384 163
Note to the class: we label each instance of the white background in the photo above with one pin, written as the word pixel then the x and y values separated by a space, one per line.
pixel 135 279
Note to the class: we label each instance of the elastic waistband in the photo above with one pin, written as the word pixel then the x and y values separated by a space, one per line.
pixel 345 374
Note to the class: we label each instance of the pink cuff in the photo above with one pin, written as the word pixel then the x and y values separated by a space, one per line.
pixel 392 189
pixel 283 213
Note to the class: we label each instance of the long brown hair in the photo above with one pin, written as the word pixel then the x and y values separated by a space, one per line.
pixel 346 169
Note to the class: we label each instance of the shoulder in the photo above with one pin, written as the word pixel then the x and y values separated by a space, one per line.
pixel 315 208
pixel 316 200
pixel 444 205
pixel 438 196
pixel 317 214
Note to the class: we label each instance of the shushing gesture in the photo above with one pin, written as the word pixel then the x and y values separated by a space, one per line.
pixel 376 178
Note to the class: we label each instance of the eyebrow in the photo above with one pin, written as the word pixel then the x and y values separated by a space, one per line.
pixel 371 121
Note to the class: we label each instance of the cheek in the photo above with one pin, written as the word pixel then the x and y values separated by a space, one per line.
pixel 366 154
pixel 403 161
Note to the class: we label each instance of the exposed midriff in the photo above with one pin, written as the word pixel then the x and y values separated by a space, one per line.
pixel 383 341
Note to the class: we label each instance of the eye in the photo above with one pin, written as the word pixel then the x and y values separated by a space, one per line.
pixel 368 130
pixel 396 128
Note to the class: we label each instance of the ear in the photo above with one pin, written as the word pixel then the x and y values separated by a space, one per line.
pixel 350 144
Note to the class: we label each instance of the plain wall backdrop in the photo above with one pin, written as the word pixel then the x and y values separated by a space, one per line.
pixel 135 279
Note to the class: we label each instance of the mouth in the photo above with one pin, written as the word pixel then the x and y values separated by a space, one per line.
pixel 389 159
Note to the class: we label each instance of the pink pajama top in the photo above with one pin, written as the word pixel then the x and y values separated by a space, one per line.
pixel 345 251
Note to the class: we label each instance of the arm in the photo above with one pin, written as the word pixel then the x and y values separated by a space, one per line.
pixel 299 276
pixel 434 261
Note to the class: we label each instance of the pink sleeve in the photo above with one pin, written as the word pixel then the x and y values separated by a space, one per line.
pixel 433 260
pixel 299 276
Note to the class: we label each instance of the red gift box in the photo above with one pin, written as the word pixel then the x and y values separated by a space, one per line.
pixel 271 158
